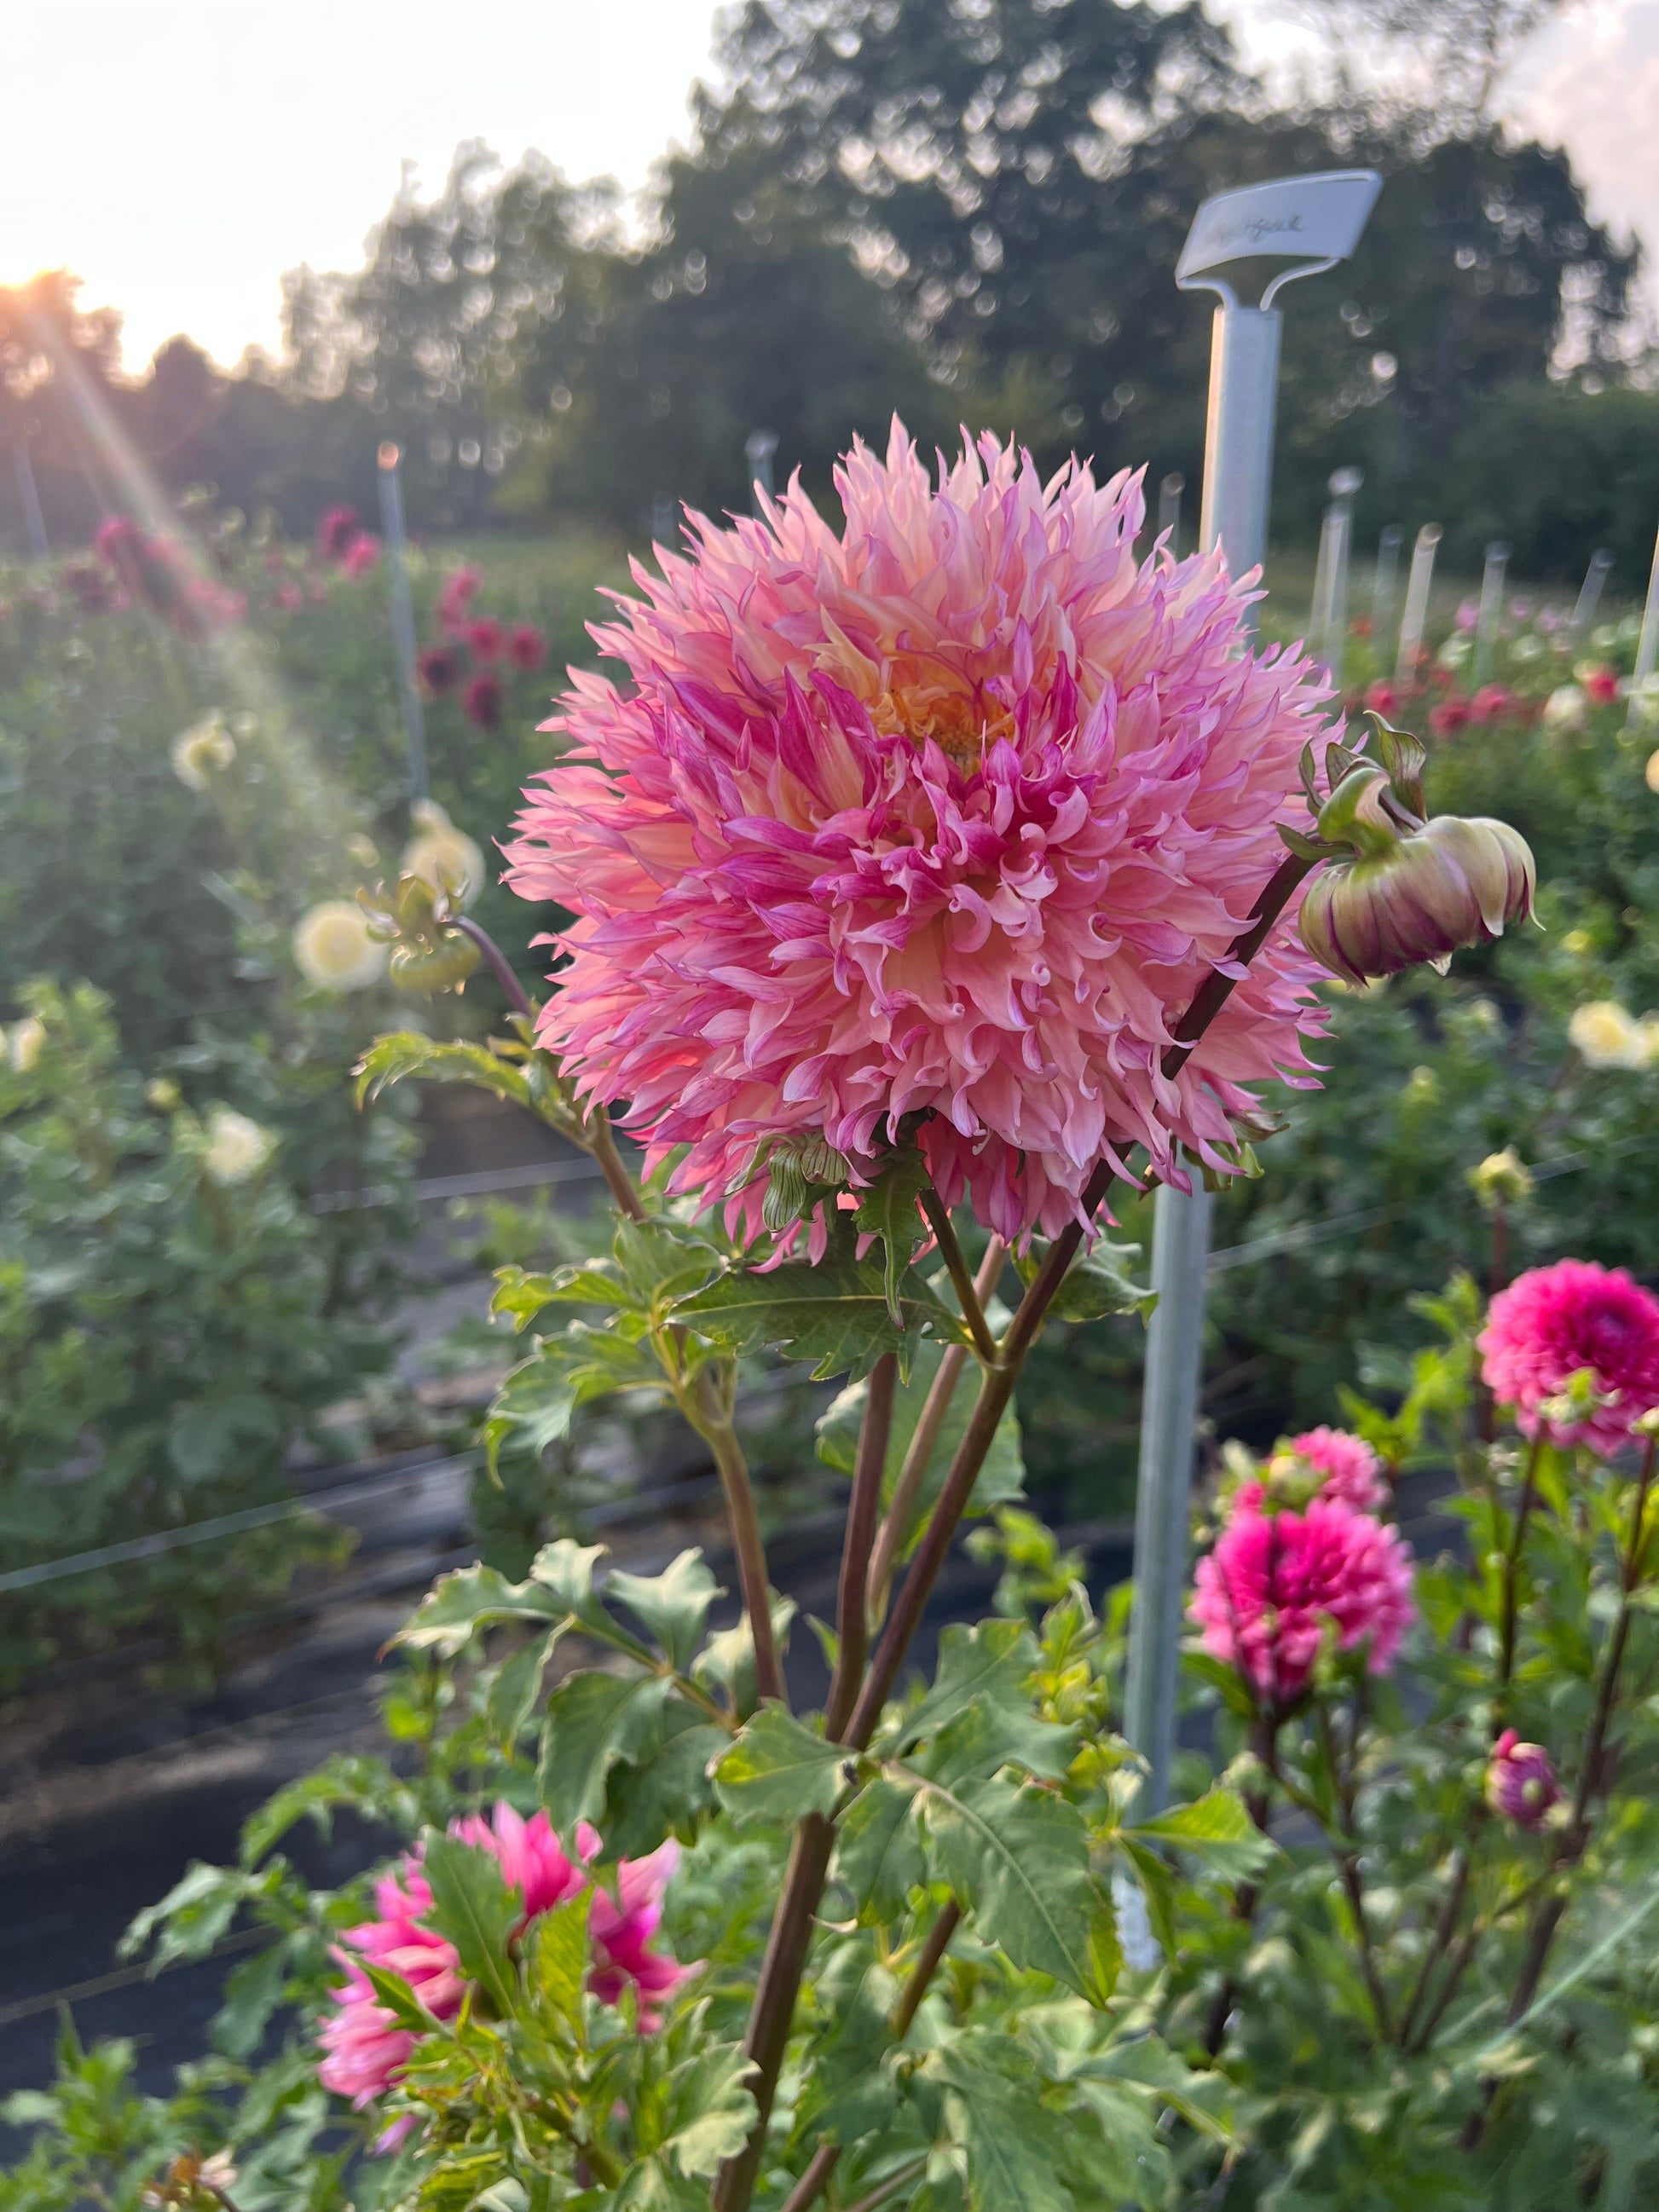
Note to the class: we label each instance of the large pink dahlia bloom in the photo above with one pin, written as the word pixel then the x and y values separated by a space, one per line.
pixel 946 815
pixel 1551 1324
pixel 363 2043
pixel 1277 1584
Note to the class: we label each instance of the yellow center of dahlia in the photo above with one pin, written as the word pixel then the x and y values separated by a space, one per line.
pixel 958 724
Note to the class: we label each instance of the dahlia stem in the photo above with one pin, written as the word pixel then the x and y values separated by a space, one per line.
pixel 822 2163
pixel 816 2179
pixel 1445 1928
pixel 500 967
pixel 961 1280
pixel 705 1409
pixel 1572 1844
pixel 891 2186
pixel 864 1510
pixel 601 1142
pixel 1214 993
pixel 919 1456
pixel 932 1952
pixel 1512 1565
pixel 774 2000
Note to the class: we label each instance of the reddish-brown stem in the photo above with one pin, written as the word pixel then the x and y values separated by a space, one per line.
pixel 1445 1928
pixel 863 1511
pixel 961 1281
pixel 774 2000
pixel 1512 1565
pixel 1571 1847
pixel 891 2186
pixel 812 2183
pixel 933 1951
pixel 1216 989
pixel 919 1453
pixel 713 1421
pixel 602 1144
pixel 824 2160
pixel 499 965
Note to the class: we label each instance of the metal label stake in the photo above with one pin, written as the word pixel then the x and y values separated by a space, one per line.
pixel 1647 647
pixel 1314 222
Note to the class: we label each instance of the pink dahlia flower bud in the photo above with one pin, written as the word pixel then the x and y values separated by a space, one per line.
pixel 526 648
pixel 1521 1781
pixel 1410 893
pixel 1278 1586
pixel 1554 1325
pixel 363 2046
pixel 939 819
pixel 1323 1462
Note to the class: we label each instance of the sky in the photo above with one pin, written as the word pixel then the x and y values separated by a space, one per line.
pixel 180 155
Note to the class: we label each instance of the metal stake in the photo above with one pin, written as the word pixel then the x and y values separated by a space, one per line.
pixel 1329 625
pixel 34 521
pixel 1168 509
pixel 1590 597
pixel 758 448
pixel 403 617
pixel 1415 618
pixel 1647 646
pixel 1327 213
pixel 1492 610
pixel 1383 583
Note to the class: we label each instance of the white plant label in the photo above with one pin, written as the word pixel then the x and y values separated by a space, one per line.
pixel 1316 219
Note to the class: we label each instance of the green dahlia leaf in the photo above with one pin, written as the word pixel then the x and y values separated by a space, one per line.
pixel 472 1905
pixel 779 1771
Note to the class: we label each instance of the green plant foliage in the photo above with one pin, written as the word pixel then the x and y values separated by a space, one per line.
pixel 172 1315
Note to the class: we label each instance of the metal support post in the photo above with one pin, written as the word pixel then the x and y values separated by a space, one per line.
pixel 403 617
pixel 1324 215
pixel 758 449
pixel 1414 621
pixel 1384 583
pixel 1168 509
pixel 1328 630
pixel 1492 610
pixel 1647 646
pixel 1589 598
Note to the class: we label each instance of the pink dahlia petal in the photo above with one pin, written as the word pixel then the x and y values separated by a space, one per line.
pixel 1277 1584
pixel 1350 1471
pixel 945 813
pixel 363 2046
pixel 1555 1322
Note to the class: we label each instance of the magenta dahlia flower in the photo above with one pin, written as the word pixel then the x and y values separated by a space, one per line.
pixel 1554 1323
pixel 1349 1471
pixel 1323 1463
pixel 1521 1781
pixel 941 819
pixel 1278 1584
pixel 364 2046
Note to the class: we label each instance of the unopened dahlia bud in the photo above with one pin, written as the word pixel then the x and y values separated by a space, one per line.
pixel 1414 895
pixel 1520 1784
pixel 429 953
pixel 1502 1179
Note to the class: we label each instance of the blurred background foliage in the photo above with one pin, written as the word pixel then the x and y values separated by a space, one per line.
pixel 963 212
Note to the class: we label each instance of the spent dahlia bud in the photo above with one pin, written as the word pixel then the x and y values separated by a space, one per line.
pixel 1412 892
pixel 1521 1783
pixel 1502 1179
